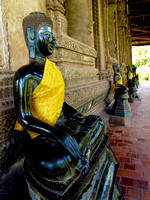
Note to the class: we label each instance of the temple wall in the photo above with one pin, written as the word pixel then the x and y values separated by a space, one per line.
pixel 15 12
pixel 86 48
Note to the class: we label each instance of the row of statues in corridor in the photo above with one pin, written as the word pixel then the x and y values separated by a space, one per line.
pixel 124 93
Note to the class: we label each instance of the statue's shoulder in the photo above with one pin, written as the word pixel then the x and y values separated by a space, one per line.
pixel 29 69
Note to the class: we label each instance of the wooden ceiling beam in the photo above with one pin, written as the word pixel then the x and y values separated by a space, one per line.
pixel 139 15
pixel 140 38
pixel 139 26
pixel 140 30
pixel 142 1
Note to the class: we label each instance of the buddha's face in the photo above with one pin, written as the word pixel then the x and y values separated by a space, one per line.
pixel 118 68
pixel 45 40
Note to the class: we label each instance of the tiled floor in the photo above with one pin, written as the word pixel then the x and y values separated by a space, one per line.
pixel 131 145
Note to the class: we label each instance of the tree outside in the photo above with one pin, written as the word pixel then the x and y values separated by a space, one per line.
pixel 141 61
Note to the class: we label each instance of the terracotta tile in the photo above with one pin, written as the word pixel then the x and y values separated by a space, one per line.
pixel 141 140
pixel 123 159
pixel 121 165
pixel 116 148
pixel 146 195
pixel 113 144
pixel 111 140
pixel 115 137
pixel 119 141
pixel 146 175
pixel 122 145
pixel 120 153
pixel 131 155
pixel 118 131
pixel 123 172
pixel 127 181
pixel 133 193
pixel 142 156
pixel 118 179
pixel 135 175
pixel 128 142
pixel 146 162
pixel 125 135
pixel 129 166
pixel 123 190
pixel 141 184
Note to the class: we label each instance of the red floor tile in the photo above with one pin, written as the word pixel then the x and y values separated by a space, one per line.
pixel 131 145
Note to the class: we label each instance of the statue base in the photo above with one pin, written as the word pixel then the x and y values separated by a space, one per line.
pixel 97 183
pixel 121 121
pixel 121 106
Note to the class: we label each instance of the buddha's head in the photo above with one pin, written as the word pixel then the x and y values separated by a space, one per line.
pixel 116 67
pixel 38 32
pixel 129 68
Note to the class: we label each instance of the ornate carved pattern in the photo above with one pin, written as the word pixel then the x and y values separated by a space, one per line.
pixel 96 32
pixel 90 91
pixel 74 45
pixel 3 34
pixel 56 5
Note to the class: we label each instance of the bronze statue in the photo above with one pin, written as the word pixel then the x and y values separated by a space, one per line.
pixel 121 106
pixel 132 83
pixel 118 86
pixel 64 144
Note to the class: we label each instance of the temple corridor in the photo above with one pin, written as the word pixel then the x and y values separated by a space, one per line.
pixel 131 145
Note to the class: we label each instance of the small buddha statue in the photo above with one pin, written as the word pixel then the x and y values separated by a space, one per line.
pixel 118 86
pixel 121 107
pixel 132 82
pixel 61 139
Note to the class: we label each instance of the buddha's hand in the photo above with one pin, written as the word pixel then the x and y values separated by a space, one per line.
pixel 85 160
pixel 72 146
pixel 83 165
pixel 125 89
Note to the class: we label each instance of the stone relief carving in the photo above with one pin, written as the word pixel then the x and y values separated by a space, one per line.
pixel 74 45
pixel 56 5
pixel 86 92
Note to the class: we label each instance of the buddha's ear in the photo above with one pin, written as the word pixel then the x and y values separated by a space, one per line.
pixel 31 40
pixel 30 34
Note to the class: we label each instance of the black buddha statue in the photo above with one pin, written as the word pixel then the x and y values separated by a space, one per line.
pixel 132 83
pixel 121 107
pixel 65 147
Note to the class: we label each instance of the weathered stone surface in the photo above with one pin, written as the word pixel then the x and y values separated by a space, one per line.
pixel 121 121
pixel 15 12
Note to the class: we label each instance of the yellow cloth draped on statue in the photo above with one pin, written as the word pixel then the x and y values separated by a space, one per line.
pixel 120 82
pixel 130 76
pixel 47 98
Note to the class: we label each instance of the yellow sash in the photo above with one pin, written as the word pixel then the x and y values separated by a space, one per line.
pixel 130 76
pixel 47 98
pixel 120 82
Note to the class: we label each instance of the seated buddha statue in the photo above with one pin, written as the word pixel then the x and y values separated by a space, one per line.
pixel 121 106
pixel 118 87
pixel 61 139
pixel 131 82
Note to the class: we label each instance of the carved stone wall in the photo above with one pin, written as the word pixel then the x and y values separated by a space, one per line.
pixel 16 10
pixel 117 35
pixel 4 53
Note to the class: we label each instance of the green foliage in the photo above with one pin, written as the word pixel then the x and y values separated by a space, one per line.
pixel 141 61
pixel 143 72
pixel 140 55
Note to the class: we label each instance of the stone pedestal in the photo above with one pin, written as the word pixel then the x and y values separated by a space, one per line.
pixel 121 111
pixel 121 106
pixel 121 121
